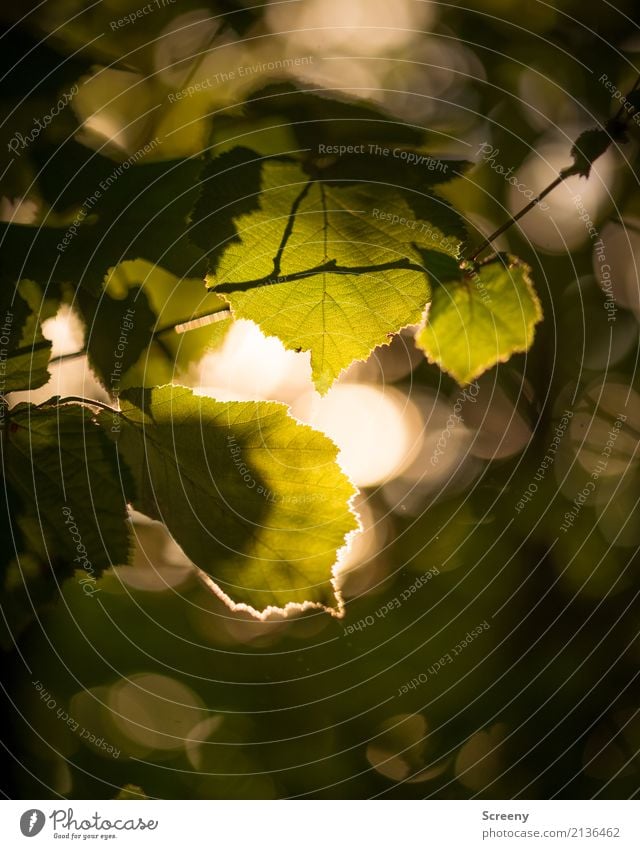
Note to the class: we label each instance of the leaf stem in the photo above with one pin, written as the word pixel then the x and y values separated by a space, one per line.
pixel 90 402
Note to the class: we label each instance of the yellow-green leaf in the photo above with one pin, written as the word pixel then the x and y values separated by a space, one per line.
pixel 332 267
pixel 480 319
pixel 255 499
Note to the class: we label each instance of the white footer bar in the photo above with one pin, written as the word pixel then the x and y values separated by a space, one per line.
pixel 321 824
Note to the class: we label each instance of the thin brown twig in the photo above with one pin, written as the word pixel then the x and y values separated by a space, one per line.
pixel 619 121
pixel 487 242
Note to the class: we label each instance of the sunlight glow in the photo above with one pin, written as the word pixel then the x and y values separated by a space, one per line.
pixel 378 432
pixel 364 25
pixel 249 366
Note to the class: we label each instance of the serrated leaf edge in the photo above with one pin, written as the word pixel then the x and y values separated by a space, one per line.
pixel 470 376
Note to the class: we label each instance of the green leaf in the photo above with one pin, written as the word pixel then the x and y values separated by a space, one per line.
pixel 331 267
pixel 65 471
pixel 220 202
pixel 24 352
pixel 397 166
pixel 25 582
pixel 127 211
pixel 254 498
pixel 164 353
pixel 480 319
pixel 314 118
pixel 118 331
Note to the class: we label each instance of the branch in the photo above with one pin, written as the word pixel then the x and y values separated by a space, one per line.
pixel 596 142
pixel 487 242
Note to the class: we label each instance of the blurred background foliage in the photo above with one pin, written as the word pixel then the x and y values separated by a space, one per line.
pixel 201 702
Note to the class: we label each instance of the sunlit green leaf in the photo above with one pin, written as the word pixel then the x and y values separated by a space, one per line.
pixel 480 319
pixel 327 267
pixel 254 498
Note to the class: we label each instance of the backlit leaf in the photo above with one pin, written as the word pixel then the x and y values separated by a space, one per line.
pixel 333 267
pixel 480 319
pixel 254 498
